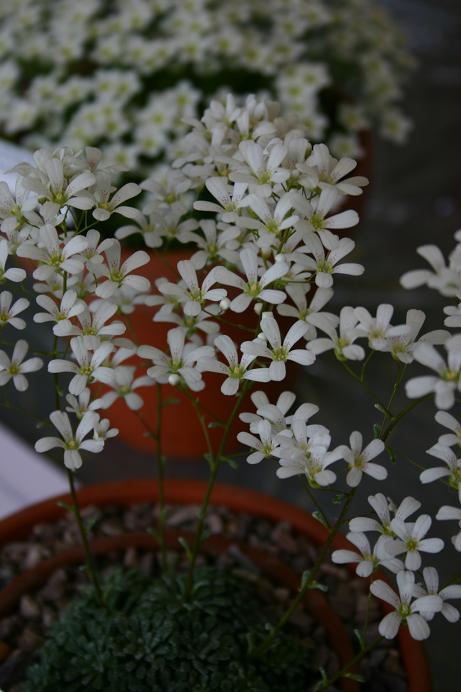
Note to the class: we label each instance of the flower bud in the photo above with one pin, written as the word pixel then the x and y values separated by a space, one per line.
pixel 173 379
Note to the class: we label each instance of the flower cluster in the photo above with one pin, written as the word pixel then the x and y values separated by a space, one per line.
pixel 252 300
pixel 125 75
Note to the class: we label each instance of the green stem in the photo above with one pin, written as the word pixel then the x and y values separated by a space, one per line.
pixel 215 462
pixel 346 668
pixel 308 583
pixel 84 536
pixel 161 480
pixel 395 420
pixel 317 504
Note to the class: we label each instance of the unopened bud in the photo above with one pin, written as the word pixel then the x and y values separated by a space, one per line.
pixel 279 258
pixel 224 304
pixel 258 307
pixel 173 379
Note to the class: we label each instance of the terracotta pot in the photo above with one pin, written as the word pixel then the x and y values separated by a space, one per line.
pixel 184 492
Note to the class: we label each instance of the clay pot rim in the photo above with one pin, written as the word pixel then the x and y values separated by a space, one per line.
pixel 179 491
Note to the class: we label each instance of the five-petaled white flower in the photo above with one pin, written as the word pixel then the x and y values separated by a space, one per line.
pixel 278 352
pixel 69 441
pixel 123 382
pixel 181 365
pixel 235 370
pixel 255 286
pixel 12 274
pixel 367 560
pixel 431 583
pixel 448 379
pixel 410 540
pixel 264 445
pixel 17 367
pixel 451 471
pixel 119 275
pixel 405 608
pixel 10 310
pixel 61 313
pixel 88 366
pixel 359 459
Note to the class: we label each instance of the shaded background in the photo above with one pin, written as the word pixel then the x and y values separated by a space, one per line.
pixel 414 199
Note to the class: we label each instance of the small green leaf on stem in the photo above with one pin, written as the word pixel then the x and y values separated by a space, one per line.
pixel 184 544
pixel 320 518
pixel 391 454
pixel 359 636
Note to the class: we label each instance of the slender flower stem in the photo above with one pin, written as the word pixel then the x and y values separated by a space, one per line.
pixel 308 583
pixel 395 420
pixel 90 564
pixel 215 461
pixel 161 479
pixel 346 668
pixel 317 505
pixel 92 571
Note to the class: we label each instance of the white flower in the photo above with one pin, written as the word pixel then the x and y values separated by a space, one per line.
pixel 359 459
pixel 17 367
pixel 307 454
pixel 452 470
pixel 103 431
pixel 379 328
pixel 402 347
pixel 323 170
pixel 195 296
pixel 12 274
pixel 301 310
pixel 69 441
pixel 236 370
pixel 255 287
pixel 443 278
pixel 119 275
pixel 410 540
pixel 88 366
pixel 181 365
pixel 105 205
pixel 260 169
pixel 405 608
pixel 326 265
pixel 264 445
pixel 54 254
pixel 81 404
pixel 229 197
pixel 431 581
pixel 93 325
pixel 367 560
pixel 385 511
pixel 8 311
pixel 447 513
pixel 48 180
pixel 448 421
pixel 277 352
pixel 61 313
pixel 122 382
pixel 341 343
pixel 447 381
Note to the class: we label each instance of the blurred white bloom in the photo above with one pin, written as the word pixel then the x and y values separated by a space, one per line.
pixel 10 310
pixel 17 368
pixel 452 470
pixel 87 366
pixel 340 339
pixel 447 381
